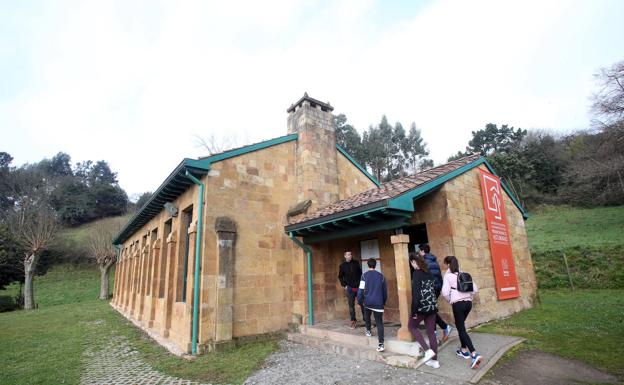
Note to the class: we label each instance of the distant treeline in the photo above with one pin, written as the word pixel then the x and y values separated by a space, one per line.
pixel 585 168
pixel 78 194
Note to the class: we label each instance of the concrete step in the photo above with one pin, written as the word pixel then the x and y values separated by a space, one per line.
pixel 357 351
pixel 392 343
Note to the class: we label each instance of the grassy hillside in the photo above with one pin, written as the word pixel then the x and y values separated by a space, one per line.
pixel 46 346
pixel 557 228
pixel 591 239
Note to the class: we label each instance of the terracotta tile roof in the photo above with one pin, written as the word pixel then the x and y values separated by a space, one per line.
pixel 389 189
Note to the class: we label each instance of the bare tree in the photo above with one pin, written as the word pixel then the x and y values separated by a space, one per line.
pixel 213 144
pixel 608 102
pixel 32 223
pixel 101 249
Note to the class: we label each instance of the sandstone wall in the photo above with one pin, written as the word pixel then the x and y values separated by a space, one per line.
pixel 471 247
pixel 351 180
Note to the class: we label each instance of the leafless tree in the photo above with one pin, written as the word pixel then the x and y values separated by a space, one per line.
pixel 608 101
pixel 214 144
pixel 101 249
pixel 32 223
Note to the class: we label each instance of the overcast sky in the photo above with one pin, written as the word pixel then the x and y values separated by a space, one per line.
pixel 132 82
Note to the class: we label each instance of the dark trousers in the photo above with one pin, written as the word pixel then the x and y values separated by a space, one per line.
pixel 439 321
pixel 351 295
pixel 378 322
pixel 461 310
pixel 430 324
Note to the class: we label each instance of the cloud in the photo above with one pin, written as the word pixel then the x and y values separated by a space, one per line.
pixel 132 82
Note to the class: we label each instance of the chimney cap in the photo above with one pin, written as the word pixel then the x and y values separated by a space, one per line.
pixel 324 106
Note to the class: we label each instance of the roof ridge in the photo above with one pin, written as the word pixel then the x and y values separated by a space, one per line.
pixel 241 147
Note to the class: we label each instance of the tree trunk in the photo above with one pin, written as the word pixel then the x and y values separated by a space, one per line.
pixel 30 262
pixel 104 282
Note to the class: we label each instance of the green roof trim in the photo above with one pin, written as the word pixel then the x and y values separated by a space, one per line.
pixel 405 201
pixel 393 207
pixel 177 183
pixel 247 149
pixel 356 164
pixel 174 186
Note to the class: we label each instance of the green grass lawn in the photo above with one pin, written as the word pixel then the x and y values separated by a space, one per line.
pixel 564 227
pixel 586 325
pixel 45 346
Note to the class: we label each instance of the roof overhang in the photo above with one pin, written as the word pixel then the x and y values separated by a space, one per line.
pixel 385 214
pixel 175 185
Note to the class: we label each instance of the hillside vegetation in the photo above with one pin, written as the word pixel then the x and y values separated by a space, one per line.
pixel 591 239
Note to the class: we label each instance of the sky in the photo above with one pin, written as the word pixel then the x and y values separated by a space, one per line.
pixel 136 82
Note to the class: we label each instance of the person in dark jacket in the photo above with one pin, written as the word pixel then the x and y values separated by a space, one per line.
pixel 424 308
pixel 349 276
pixel 434 269
pixel 372 294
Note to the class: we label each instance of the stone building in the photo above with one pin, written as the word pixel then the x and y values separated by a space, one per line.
pixel 249 241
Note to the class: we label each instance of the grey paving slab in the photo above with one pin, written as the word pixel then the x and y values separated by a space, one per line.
pixel 299 364
pixel 490 346
pixel 118 364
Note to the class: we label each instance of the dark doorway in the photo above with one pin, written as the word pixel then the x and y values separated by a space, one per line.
pixel 417 235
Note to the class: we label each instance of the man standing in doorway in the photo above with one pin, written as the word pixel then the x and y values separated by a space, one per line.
pixel 349 275
pixel 434 269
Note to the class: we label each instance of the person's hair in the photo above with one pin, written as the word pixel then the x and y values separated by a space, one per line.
pixel 453 263
pixel 420 261
pixel 425 247
pixel 372 263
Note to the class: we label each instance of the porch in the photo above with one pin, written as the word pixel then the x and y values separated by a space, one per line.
pixel 336 337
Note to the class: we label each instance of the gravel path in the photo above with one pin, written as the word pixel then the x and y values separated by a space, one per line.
pixel 119 364
pixel 299 364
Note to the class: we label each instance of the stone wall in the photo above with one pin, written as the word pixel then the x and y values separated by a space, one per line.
pixel 351 180
pixel 150 280
pixel 255 190
pixel 471 246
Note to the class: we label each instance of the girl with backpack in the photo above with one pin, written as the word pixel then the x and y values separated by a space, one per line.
pixel 424 308
pixel 459 294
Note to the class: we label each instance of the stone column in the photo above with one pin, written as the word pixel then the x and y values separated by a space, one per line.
pixel 226 241
pixel 155 283
pixel 404 285
pixel 170 280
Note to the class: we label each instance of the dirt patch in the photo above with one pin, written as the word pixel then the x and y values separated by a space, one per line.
pixel 536 368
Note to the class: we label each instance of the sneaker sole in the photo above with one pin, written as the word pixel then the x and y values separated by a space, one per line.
pixel 475 365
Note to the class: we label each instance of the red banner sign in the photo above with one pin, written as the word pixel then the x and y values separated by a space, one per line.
pixel 500 241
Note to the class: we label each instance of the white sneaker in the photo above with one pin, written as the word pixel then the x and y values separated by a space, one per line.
pixel 428 355
pixel 433 363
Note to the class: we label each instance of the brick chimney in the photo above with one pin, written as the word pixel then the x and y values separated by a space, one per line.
pixel 317 172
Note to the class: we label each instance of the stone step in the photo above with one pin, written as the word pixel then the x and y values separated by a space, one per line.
pixel 392 343
pixel 357 351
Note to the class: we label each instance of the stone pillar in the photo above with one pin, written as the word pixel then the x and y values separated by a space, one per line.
pixel 170 280
pixel 155 281
pixel 404 285
pixel 226 241
pixel 142 281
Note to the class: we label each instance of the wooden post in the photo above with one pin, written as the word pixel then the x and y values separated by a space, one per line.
pixel 565 260
pixel 404 285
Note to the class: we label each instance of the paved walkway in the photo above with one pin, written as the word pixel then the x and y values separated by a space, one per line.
pixel 119 364
pixel 298 364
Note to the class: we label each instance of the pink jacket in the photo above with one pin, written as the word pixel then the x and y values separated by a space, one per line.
pixel 449 289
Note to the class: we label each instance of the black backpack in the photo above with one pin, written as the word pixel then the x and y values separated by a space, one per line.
pixel 464 282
